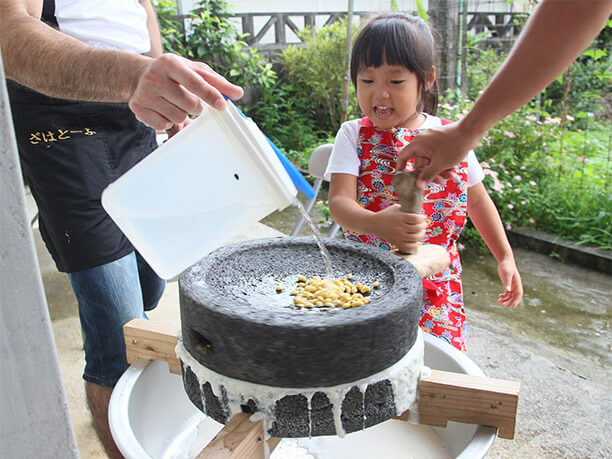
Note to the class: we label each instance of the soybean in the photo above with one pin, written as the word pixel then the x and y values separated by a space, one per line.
pixel 342 293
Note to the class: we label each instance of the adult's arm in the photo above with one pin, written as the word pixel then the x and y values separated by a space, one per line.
pixel 160 91
pixel 556 33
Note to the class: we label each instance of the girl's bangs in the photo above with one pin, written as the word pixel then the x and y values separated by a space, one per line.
pixel 386 44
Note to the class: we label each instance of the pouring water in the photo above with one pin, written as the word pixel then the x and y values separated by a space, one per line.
pixel 329 272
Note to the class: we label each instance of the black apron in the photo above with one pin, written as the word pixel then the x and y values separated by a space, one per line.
pixel 70 151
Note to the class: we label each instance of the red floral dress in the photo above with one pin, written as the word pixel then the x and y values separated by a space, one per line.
pixel 442 312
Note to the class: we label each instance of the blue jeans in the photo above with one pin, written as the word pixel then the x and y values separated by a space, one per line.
pixel 109 296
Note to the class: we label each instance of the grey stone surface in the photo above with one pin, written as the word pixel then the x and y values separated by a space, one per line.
pixel 565 406
pixel 291 412
pixel 235 323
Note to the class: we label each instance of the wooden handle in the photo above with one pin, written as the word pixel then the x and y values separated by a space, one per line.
pixel 410 197
pixel 443 396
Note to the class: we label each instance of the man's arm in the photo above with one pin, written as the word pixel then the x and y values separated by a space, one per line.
pixel 44 59
pixel 161 92
pixel 555 35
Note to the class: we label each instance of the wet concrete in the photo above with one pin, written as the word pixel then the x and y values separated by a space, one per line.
pixel 567 251
pixel 565 401
pixel 565 306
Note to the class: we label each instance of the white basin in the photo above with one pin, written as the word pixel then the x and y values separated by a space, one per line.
pixel 150 416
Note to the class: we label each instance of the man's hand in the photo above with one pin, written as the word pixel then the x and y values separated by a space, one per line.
pixel 171 87
pixel 436 152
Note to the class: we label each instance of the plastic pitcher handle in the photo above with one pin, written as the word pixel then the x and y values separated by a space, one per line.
pixel 295 175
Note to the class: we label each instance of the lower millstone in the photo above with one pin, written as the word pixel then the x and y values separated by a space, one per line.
pixel 292 412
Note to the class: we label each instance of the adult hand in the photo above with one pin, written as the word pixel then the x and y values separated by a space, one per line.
pixel 436 152
pixel 176 128
pixel 171 87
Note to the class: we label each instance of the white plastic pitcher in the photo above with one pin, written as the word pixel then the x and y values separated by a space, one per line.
pixel 198 190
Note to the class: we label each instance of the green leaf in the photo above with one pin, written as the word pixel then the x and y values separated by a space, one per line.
pixel 595 53
pixel 421 11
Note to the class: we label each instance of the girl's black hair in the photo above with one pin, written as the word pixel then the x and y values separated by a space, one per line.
pixel 398 39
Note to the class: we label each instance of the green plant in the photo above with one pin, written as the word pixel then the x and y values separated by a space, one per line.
pixel 535 181
pixel 589 80
pixel 211 38
pixel 481 64
pixel 170 26
pixel 547 165
pixel 288 120
pixel 555 255
pixel 315 70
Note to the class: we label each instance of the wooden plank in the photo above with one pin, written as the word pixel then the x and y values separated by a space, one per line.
pixel 279 29
pixel 148 340
pixel 239 439
pixel 446 396
pixel 429 259
pixel 443 396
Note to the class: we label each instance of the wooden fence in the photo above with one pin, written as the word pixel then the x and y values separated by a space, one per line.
pixel 504 26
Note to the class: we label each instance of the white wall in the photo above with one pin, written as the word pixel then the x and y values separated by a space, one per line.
pixel 251 6
pixel 34 415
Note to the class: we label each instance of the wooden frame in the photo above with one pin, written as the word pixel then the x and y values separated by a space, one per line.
pixel 443 396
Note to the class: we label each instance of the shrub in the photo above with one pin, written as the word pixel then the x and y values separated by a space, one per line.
pixel 546 176
pixel 315 70
pixel 212 39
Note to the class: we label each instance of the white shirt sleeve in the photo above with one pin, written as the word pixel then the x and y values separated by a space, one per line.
pixel 475 172
pixel 108 24
pixel 344 158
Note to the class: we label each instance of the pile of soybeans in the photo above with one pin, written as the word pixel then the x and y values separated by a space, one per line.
pixel 325 293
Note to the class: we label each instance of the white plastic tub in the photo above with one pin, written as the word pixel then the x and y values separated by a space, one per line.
pixel 198 190
pixel 151 417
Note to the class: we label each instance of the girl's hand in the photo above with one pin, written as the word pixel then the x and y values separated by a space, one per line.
pixel 511 279
pixel 401 229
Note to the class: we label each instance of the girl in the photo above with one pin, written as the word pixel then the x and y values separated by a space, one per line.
pixel 394 75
